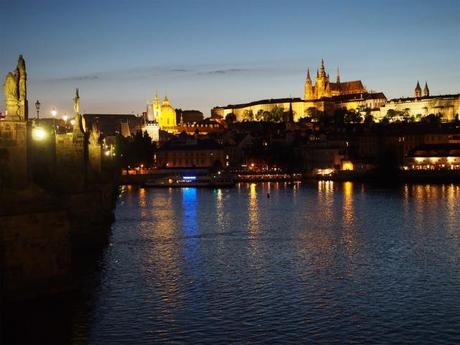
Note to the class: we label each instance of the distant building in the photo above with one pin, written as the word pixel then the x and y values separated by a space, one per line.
pixel 433 157
pixel 447 107
pixel 113 124
pixel 153 130
pixel 163 114
pixel 190 153
pixel 188 116
pixel 203 127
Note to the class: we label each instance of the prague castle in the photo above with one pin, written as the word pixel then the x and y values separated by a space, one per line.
pixel 320 95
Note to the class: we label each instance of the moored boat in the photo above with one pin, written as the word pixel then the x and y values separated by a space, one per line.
pixel 181 181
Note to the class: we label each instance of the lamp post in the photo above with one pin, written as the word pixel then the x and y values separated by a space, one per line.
pixel 37 107
pixel 38 133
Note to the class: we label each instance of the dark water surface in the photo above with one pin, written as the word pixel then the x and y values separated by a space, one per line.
pixel 314 263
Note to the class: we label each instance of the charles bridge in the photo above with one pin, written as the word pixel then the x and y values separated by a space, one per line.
pixel 57 193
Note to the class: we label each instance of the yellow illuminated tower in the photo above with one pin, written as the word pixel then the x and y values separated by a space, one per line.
pixel 156 109
pixel 308 95
pixel 322 88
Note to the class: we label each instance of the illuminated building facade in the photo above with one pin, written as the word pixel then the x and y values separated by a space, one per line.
pixel 163 114
pixel 323 88
pixel 190 153
pixel 447 107
pixel 433 157
pixel 320 95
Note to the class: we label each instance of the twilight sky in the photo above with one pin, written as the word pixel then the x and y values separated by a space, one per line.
pixel 205 53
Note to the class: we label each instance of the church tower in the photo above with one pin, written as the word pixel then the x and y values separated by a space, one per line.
pixel 426 91
pixel 156 109
pixel 308 95
pixel 322 87
pixel 418 90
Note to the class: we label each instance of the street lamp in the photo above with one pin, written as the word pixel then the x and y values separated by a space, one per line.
pixel 53 113
pixel 38 133
pixel 37 107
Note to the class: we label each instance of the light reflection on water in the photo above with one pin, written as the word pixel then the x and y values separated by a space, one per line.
pixel 328 262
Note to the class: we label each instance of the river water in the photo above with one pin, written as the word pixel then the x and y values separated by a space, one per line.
pixel 278 263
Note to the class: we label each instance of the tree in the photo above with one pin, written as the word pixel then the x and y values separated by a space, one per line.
pixel 391 115
pixel 248 115
pixel 276 114
pixel 230 118
pixel 339 116
pixel 135 150
pixel 352 116
pixel 311 112
pixel 432 118
pixel 259 115
pixel 406 117
pixel 369 118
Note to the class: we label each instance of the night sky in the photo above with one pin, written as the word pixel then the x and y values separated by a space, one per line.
pixel 207 53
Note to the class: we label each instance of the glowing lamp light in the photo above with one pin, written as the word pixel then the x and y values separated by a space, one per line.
pixel 65 118
pixel 347 165
pixel 38 134
pixel 53 112
pixel 72 122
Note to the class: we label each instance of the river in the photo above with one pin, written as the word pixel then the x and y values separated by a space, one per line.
pixel 324 262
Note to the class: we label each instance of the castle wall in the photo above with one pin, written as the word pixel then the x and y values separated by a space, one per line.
pixel 297 107
pixel 300 109
pixel 447 106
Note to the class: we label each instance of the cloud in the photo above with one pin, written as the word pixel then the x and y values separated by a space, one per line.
pixel 75 78
pixel 179 70
pixel 166 72
pixel 226 71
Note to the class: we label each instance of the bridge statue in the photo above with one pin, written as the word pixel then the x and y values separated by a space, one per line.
pixel 76 103
pixel 15 89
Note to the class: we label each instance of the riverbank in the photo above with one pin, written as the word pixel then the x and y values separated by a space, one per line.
pixel 437 177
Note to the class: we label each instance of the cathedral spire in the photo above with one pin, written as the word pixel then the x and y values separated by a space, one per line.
pixel 322 72
pixel 418 90
pixel 426 90
pixel 308 74
pixel 338 75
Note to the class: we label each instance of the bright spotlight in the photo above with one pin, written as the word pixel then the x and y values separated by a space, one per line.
pixel 38 133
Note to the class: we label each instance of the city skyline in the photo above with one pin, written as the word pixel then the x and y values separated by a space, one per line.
pixel 203 54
